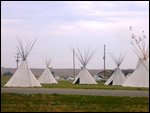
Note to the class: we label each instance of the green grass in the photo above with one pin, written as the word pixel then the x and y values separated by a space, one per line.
pixel 68 84
pixel 100 85
pixel 70 103
pixel 4 79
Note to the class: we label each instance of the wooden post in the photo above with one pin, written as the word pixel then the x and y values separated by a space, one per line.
pixel 17 59
pixel 104 59
pixel 74 63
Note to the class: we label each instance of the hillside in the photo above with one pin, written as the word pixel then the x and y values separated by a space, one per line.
pixel 60 72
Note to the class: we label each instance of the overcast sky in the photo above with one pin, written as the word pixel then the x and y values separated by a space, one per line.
pixel 62 25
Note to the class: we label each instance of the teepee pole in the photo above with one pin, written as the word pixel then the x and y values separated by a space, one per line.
pixel 140 44
pixel 84 56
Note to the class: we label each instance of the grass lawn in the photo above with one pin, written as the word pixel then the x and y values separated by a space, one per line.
pixel 70 103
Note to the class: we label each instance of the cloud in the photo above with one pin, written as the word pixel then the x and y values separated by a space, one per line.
pixel 10 21
pixel 74 10
pixel 61 24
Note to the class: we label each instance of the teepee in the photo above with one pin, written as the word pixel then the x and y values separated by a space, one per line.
pixel 23 77
pixel 117 78
pixel 140 76
pixel 47 76
pixel 84 77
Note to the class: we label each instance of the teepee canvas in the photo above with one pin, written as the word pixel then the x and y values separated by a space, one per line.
pixel 23 77
pixel 117 78
pixel 47 76
pixel 84 77
pixel 140 76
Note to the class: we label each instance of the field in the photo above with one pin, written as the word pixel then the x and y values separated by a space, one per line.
pixel 68 84
pixel 100 85
pixel 71 103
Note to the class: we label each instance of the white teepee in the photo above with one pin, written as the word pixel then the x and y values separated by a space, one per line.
pixel 84 77
pixel 23 77
pixel 117 78
pixel 47 76
pixel 140 76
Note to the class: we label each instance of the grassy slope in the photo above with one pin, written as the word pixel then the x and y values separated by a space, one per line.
pixel 44 102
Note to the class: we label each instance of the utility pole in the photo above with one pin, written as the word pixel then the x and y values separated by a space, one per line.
pixel 104 59
pixel 17 59
pixel 74 63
